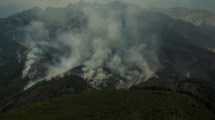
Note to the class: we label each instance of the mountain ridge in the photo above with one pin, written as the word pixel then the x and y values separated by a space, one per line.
pixel 195 16
pixel 172 32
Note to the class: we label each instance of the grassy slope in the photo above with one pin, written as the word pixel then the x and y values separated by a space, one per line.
pixel 113 105
pixel 200 90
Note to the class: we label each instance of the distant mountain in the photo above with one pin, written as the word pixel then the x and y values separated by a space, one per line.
pixel 196 17
pixel 202 18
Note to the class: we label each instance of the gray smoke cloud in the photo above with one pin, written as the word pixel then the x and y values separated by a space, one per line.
pixel 103 36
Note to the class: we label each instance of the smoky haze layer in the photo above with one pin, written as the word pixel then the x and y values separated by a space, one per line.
pixel 109 40
pixel 9 7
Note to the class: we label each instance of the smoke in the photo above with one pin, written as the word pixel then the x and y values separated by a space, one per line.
pixel 111 41
pixel 36 36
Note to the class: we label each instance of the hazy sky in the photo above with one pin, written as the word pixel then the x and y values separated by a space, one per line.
pixel 8 7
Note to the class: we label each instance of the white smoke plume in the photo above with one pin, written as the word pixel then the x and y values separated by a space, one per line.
pixel 107 39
